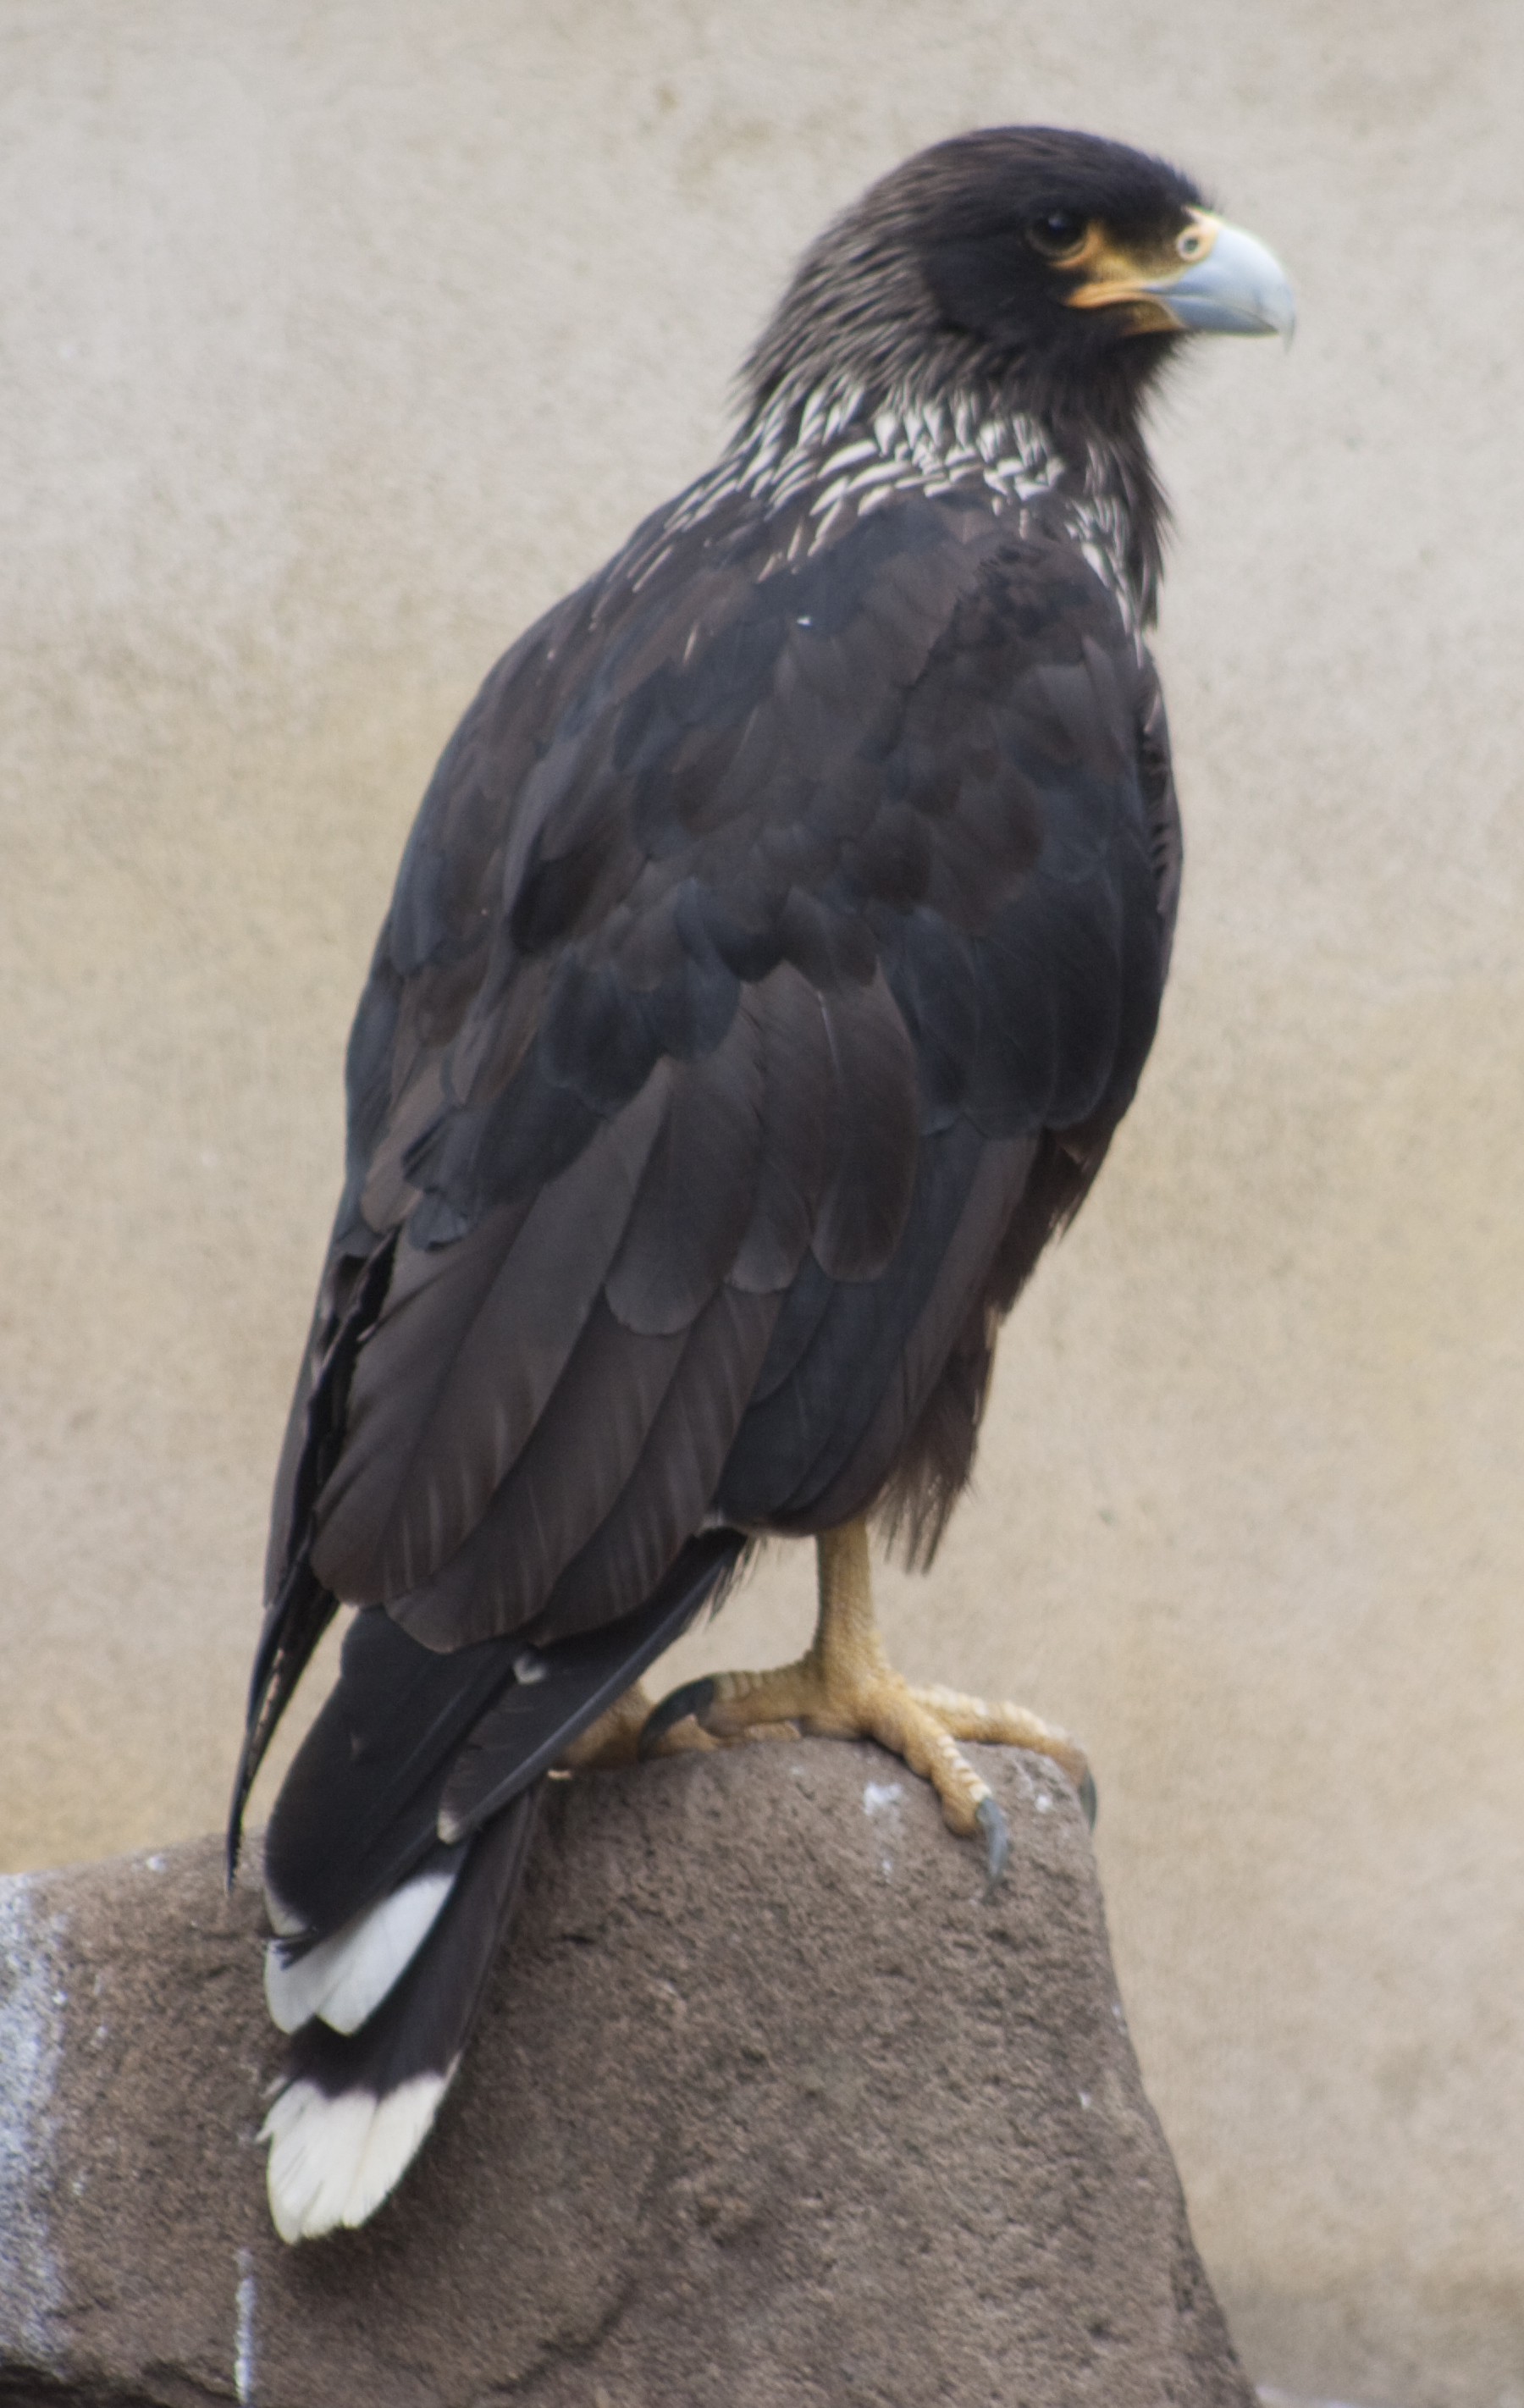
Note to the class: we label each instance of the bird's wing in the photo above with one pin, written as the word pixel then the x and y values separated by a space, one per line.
pixel 778 901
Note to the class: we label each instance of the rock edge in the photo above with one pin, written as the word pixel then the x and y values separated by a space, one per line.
pixel 769 2106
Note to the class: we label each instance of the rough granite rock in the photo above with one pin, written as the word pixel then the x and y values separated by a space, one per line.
pixel 769 2106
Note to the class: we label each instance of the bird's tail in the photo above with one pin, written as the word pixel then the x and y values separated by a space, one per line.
pixel 373 2054
pixel 392 1861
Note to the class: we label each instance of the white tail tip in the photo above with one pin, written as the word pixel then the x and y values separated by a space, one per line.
pixel 334 2160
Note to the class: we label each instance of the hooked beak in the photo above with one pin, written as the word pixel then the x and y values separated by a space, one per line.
pixel 1236 287
pixel 1225 282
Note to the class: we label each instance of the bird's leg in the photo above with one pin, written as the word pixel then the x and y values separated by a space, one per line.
pixel 615 1738
pixel 847 1688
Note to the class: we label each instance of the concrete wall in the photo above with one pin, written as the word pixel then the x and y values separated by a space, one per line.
pixel 337 342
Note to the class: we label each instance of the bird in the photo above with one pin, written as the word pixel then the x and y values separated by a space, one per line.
pixel 776 950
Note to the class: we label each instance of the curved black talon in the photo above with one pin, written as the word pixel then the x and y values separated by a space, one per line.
pixel 691 1699
pixel 996 1842
pixel 1089 1800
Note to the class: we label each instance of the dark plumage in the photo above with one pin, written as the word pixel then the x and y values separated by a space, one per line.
pixel 777 948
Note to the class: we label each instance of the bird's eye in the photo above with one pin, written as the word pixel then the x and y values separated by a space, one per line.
pixel 1194 243
pixel 1056 235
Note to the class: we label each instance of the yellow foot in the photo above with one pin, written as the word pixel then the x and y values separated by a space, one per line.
pixel 613 1738
pixel 847 1688
pixel 618 1737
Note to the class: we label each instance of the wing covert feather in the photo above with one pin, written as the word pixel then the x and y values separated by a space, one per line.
pixel 458 1370
pixel 768 905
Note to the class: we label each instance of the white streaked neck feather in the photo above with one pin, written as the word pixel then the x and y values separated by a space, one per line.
pixel 824 444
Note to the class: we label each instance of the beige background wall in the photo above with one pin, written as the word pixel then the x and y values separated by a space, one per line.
pixel 338 340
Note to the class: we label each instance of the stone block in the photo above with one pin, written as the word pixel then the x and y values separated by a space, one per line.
pixel 769 2106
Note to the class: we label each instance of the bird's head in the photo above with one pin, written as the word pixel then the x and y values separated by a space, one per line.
pixel 1052 270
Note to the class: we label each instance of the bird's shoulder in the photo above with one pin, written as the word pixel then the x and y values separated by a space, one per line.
pixel 745 741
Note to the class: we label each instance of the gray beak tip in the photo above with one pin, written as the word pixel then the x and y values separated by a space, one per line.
pixel 1239 288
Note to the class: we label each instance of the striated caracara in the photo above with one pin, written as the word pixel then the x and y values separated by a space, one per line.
pixel 777 948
